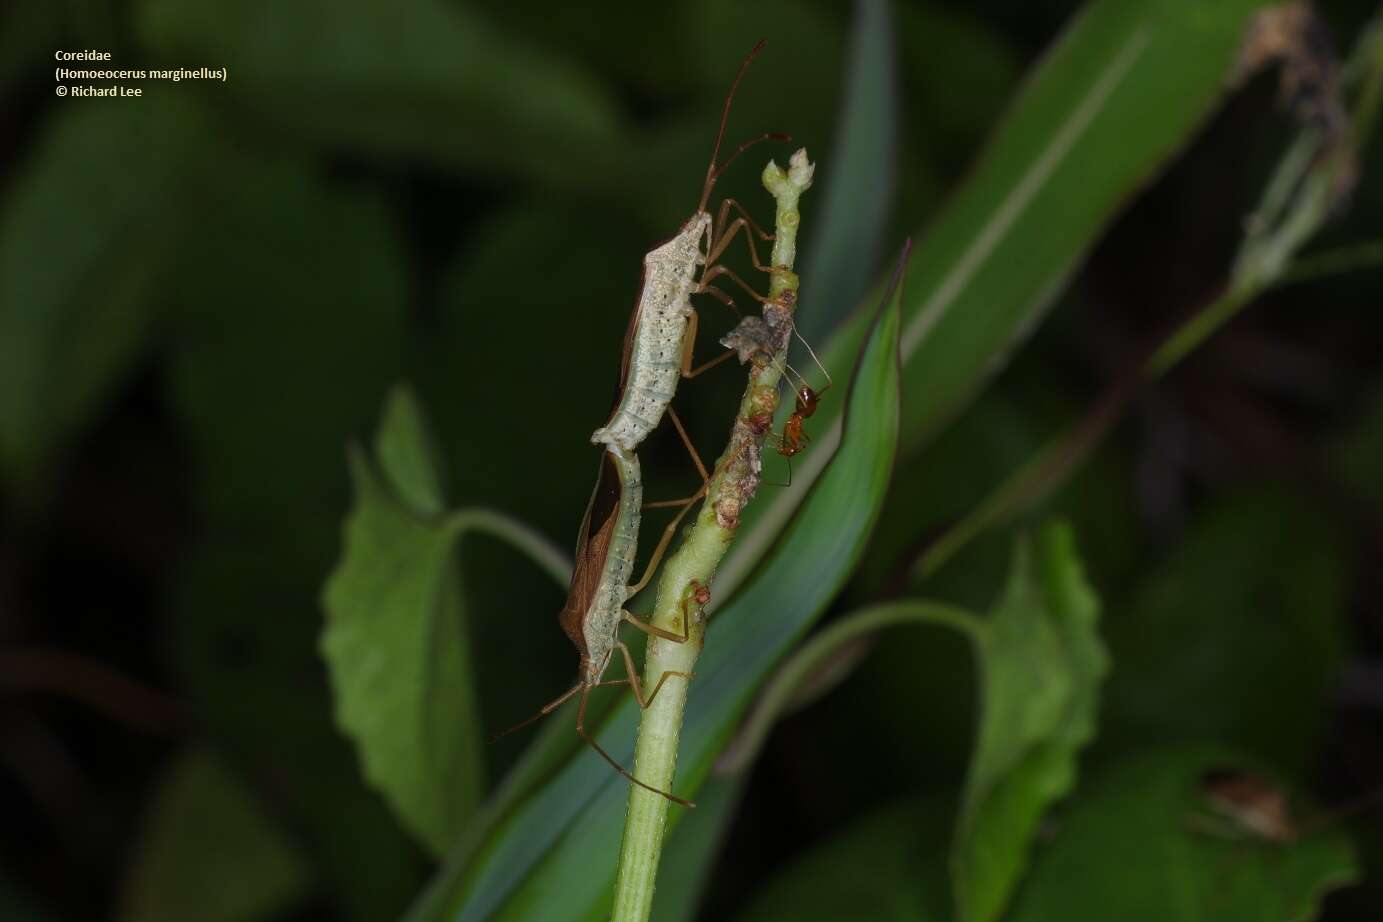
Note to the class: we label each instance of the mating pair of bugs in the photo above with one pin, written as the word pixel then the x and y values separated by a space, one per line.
pixel 657 352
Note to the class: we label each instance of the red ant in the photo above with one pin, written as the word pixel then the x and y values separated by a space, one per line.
pixel 794 438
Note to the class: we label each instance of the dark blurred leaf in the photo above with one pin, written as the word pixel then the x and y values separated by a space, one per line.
pixel 1117 94
pixel 889 866
pixel 1237 636
pixel 958 72
pixel 27 35
pixel 861 175
pixel 1041 665
pixel 291 328
pixel 552 856
pixel 1130 848
pixel 422 79
pixel 209 853
pixel 88 229
pixel 1358 452
pixel 396 639
pixel 15 903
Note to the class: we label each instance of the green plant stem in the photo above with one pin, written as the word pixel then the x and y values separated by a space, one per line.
pixel 685 583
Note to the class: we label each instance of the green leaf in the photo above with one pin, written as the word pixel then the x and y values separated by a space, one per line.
pixel 1254 589
pixel 87 233
pixel 1132 847
pixel 861 177
pixel 889 866
pixel 396 640
pixel 1119 92
pixel 1041 664
pixel 1040 667
pixel 408 456
pixel 421 79
pixel 208 852
pixel 552 855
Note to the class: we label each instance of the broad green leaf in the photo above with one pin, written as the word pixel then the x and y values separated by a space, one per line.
pixel 552 856
pixel 290 326
pixel 861 176
pixel 889 866
pixel 88 229
pixel 1254 590
pixel 421 79
pixel 1119 92
pixel 1041 664
pixel 1135 845
pixel 407 455
pixel 209 853
pixel 396 640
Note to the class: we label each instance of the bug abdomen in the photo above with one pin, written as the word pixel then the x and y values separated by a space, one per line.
pixel 655 353
pixel 601 624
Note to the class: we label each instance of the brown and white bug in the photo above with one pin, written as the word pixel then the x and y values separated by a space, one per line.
pixel 662 329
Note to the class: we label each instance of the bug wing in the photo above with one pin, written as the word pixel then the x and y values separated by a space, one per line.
pixel 592 549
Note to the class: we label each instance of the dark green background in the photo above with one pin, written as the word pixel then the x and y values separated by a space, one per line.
pixel 216 284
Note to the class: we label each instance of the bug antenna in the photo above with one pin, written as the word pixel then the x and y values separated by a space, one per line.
pixel 711 172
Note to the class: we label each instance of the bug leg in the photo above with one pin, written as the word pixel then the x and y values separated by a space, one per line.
pixel 545 710
pixel 721 296
pixel 689 344
pixel 695 593
pixel 722 270
pixel 686 440
pixel 665 539
pixel 591 741
pixel 724 213
pixel 686 505
pixel 638 686
pixel 724 234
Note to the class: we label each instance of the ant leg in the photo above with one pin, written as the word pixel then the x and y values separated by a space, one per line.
pixel 590 740
pixel 721 270
pixel 638 687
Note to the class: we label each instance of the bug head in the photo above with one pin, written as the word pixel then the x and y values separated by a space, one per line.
pixel 713 171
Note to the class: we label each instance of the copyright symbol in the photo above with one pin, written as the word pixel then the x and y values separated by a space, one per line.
pixel 62 91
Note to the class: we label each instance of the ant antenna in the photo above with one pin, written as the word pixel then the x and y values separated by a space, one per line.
pixel 712 171
pixel 812 352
